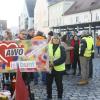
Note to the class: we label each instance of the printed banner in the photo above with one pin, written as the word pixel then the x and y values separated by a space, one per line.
pixel 28 55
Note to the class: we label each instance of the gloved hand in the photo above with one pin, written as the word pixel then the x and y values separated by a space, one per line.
pixel 92 55
pixel 51 64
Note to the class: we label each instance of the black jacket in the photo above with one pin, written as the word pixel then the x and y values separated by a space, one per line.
pixel 29 37
pixel 83 46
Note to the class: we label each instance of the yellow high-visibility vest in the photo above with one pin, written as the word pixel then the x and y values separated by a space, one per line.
pixel 88 50
pixel 92 42
pixel 57 55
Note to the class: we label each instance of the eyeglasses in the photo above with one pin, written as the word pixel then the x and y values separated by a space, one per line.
pixel 23 34
pixel 55 38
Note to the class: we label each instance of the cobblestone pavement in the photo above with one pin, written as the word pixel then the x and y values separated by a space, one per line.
pixel 71 90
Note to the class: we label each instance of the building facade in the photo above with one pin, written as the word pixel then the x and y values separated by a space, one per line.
pixel 74 13
pixel 3 26
pixel 56 12
pixel 41 15
pixel 26 19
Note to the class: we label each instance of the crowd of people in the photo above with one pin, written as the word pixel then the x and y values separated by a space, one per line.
pixel 68 55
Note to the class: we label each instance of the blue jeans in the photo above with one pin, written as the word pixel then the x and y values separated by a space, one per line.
pixel 98 49
pixel 36 76
pixel 44 77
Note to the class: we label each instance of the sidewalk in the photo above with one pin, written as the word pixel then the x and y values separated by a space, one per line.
pixel 71 90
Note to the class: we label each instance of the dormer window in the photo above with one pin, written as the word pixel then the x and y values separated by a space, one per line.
pixel 76 7
pixel 92 3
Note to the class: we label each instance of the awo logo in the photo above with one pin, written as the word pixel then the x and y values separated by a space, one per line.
pixel 14 52
pixel 8 51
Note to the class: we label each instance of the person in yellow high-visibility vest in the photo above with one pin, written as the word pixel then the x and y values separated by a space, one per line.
pixel 86 48
pixel 57 57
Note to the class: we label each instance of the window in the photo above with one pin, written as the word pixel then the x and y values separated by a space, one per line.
pixel 97 17
pixel 86 18
pixel 92 3
pixel 77 19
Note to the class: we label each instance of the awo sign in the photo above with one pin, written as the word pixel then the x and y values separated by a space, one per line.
pixel 8 50
pixel 25 54
pixel 14 52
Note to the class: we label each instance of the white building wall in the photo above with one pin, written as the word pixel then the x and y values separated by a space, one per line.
pixel 83 17
pixel 77 18
pixel 30 23
pixel 55 14
pixel 41 14
pixel 22 26
pixel 24 15
pixel 56 17
pixel 96 15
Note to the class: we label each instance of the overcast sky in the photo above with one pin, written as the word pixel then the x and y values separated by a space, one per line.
pixel 10 10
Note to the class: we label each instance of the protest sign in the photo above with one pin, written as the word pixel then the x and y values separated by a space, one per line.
pixel 28 55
